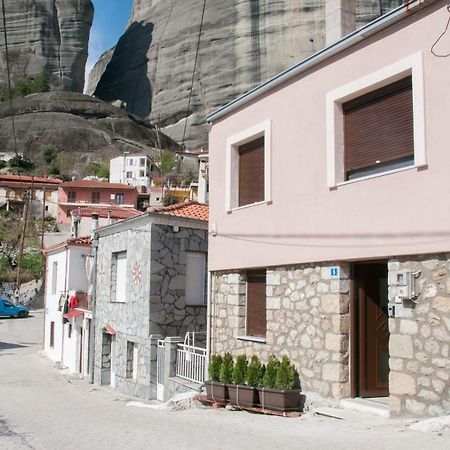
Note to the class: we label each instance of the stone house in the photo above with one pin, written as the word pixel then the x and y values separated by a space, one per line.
pixel 151 285
pixel 329 241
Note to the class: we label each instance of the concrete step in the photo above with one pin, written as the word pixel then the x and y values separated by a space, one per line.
pixel 377 406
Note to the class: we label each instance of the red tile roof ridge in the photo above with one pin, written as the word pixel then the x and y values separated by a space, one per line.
pixel 96 184
pixel 30 178
pixel 188 209
pixel 83 240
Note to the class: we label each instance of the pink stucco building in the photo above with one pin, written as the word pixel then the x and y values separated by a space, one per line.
pixel 329 230
pixel 85 193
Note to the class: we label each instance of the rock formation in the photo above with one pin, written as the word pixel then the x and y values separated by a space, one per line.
pixel 83 127
pixel 243 43
pixel 48 36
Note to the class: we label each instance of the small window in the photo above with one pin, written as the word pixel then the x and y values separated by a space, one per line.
pixel 96 197
pixel 142 173
pixel 256 304
pixel 119 277
pixel 143 162
pixel 131 162
pixel 52 334
pixel 119 199
pixel 130 369
pixel 378 130
pixel 195 278
pixel 129 175
pixel 71 196
pixel 54 276
pixel 251 172
pixel 69 331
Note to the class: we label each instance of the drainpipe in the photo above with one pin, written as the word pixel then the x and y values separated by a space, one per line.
pixel 94 238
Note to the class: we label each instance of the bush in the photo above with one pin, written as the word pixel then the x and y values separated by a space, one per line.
pixel 26 86
pixel 21 163
pixel 270 375
pixel 97 169
pixel 287 376
pixel 226 370
pixel 254 372
pixel 214 368
pixel 240 370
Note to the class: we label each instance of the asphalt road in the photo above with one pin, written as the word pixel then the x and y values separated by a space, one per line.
pixel 41 407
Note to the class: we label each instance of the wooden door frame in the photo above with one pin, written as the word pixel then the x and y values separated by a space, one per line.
pixel 355 330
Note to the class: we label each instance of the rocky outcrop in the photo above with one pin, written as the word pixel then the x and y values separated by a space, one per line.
pixel 97 71
pixel 243 42
pixel 48 36
pixel 82 127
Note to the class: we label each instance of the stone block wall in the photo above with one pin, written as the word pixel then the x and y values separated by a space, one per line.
pixel 307 319
pixel 170 316
pixel 420 338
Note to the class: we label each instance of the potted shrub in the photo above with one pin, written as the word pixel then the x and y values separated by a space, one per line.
pixel 240 394
pixel 280 390
pixel 215 390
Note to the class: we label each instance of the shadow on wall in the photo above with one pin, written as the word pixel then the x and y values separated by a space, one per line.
pixel 125 78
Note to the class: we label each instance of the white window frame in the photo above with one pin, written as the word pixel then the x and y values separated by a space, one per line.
pixel 121 278
pixel 409 66
pixel 54 277
pixel 232 164
pixel 191 299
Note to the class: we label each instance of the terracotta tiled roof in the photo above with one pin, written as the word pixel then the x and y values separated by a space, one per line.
pixel 28 179
pixel 92 184
pixel 84 241
pixel 188 210
pixel 113 211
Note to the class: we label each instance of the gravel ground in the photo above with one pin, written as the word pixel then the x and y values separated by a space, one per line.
pixel 41 407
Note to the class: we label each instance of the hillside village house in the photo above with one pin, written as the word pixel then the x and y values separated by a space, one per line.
pixel 329 239
pixel 68 310
pixel 150 287
pixel 44 193
pixel 108 199
pixel 134 169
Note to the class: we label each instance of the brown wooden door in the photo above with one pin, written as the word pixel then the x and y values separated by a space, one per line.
pixel 372 297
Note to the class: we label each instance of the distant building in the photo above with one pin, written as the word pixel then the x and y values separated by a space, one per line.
pixel 43 192
pixel 102 196
pixel 133 169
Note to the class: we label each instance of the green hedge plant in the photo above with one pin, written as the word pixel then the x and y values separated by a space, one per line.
pixel 286 375
pixel 214 368
pixel 270 375
pixel 240 370
pixel 226 369
pixel 254 372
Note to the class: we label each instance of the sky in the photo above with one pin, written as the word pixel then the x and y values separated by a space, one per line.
pixel 110 20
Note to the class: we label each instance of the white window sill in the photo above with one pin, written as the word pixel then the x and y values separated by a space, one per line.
pixel 250 205
pixel 261 340
pixel 376 175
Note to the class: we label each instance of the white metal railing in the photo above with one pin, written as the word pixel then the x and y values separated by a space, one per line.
pixel 191 363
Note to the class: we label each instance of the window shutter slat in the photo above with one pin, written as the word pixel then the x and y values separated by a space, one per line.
pixel 251 172
pixel 378 127
pixel 256 304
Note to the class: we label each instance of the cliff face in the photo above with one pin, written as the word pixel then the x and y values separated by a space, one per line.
pixel 47 36
pixel 243 43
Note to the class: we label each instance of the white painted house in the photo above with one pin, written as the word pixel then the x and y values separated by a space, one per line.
pixel 68 323
pixel 133 169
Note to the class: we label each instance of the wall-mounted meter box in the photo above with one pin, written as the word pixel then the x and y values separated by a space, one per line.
pixel 404 282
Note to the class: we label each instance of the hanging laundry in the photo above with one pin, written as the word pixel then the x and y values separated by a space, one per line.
pixel 73 301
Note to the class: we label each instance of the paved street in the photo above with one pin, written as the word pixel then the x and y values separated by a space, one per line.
pixel 43 408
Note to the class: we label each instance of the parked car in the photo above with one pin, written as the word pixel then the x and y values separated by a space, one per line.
pixel 10 310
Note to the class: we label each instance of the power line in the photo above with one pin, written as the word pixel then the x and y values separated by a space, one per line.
pixel 193 72
pixel 9 80
pixel 440 37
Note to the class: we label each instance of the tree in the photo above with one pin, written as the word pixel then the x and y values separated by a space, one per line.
pixel 10 231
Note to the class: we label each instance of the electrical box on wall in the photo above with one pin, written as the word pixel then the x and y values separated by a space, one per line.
pixel 404 282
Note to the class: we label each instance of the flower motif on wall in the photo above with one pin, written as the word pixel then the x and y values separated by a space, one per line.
pixel 137 273
pixel 102 273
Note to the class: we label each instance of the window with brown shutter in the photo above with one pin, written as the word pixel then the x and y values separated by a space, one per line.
pixel 378 130
pixel 251 172
pixel 256 303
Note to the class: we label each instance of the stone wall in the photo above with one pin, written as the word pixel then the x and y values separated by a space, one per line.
pixel 307 319
pixel 420 338
pixel 155 305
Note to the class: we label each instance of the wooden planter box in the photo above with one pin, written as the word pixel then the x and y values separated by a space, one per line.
pixel 279 400
pixel 243 396
pixel 216 391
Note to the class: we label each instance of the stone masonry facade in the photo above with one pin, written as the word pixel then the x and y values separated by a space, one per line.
pixel 419 380
pixel 155 306
pixel 307 319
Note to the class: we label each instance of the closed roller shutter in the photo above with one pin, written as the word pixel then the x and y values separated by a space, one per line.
pixel 251 172
pixel 378 127
pixel 256 304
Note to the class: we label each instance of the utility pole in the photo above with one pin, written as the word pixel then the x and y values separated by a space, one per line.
pixel 22 237
pixel 43 220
